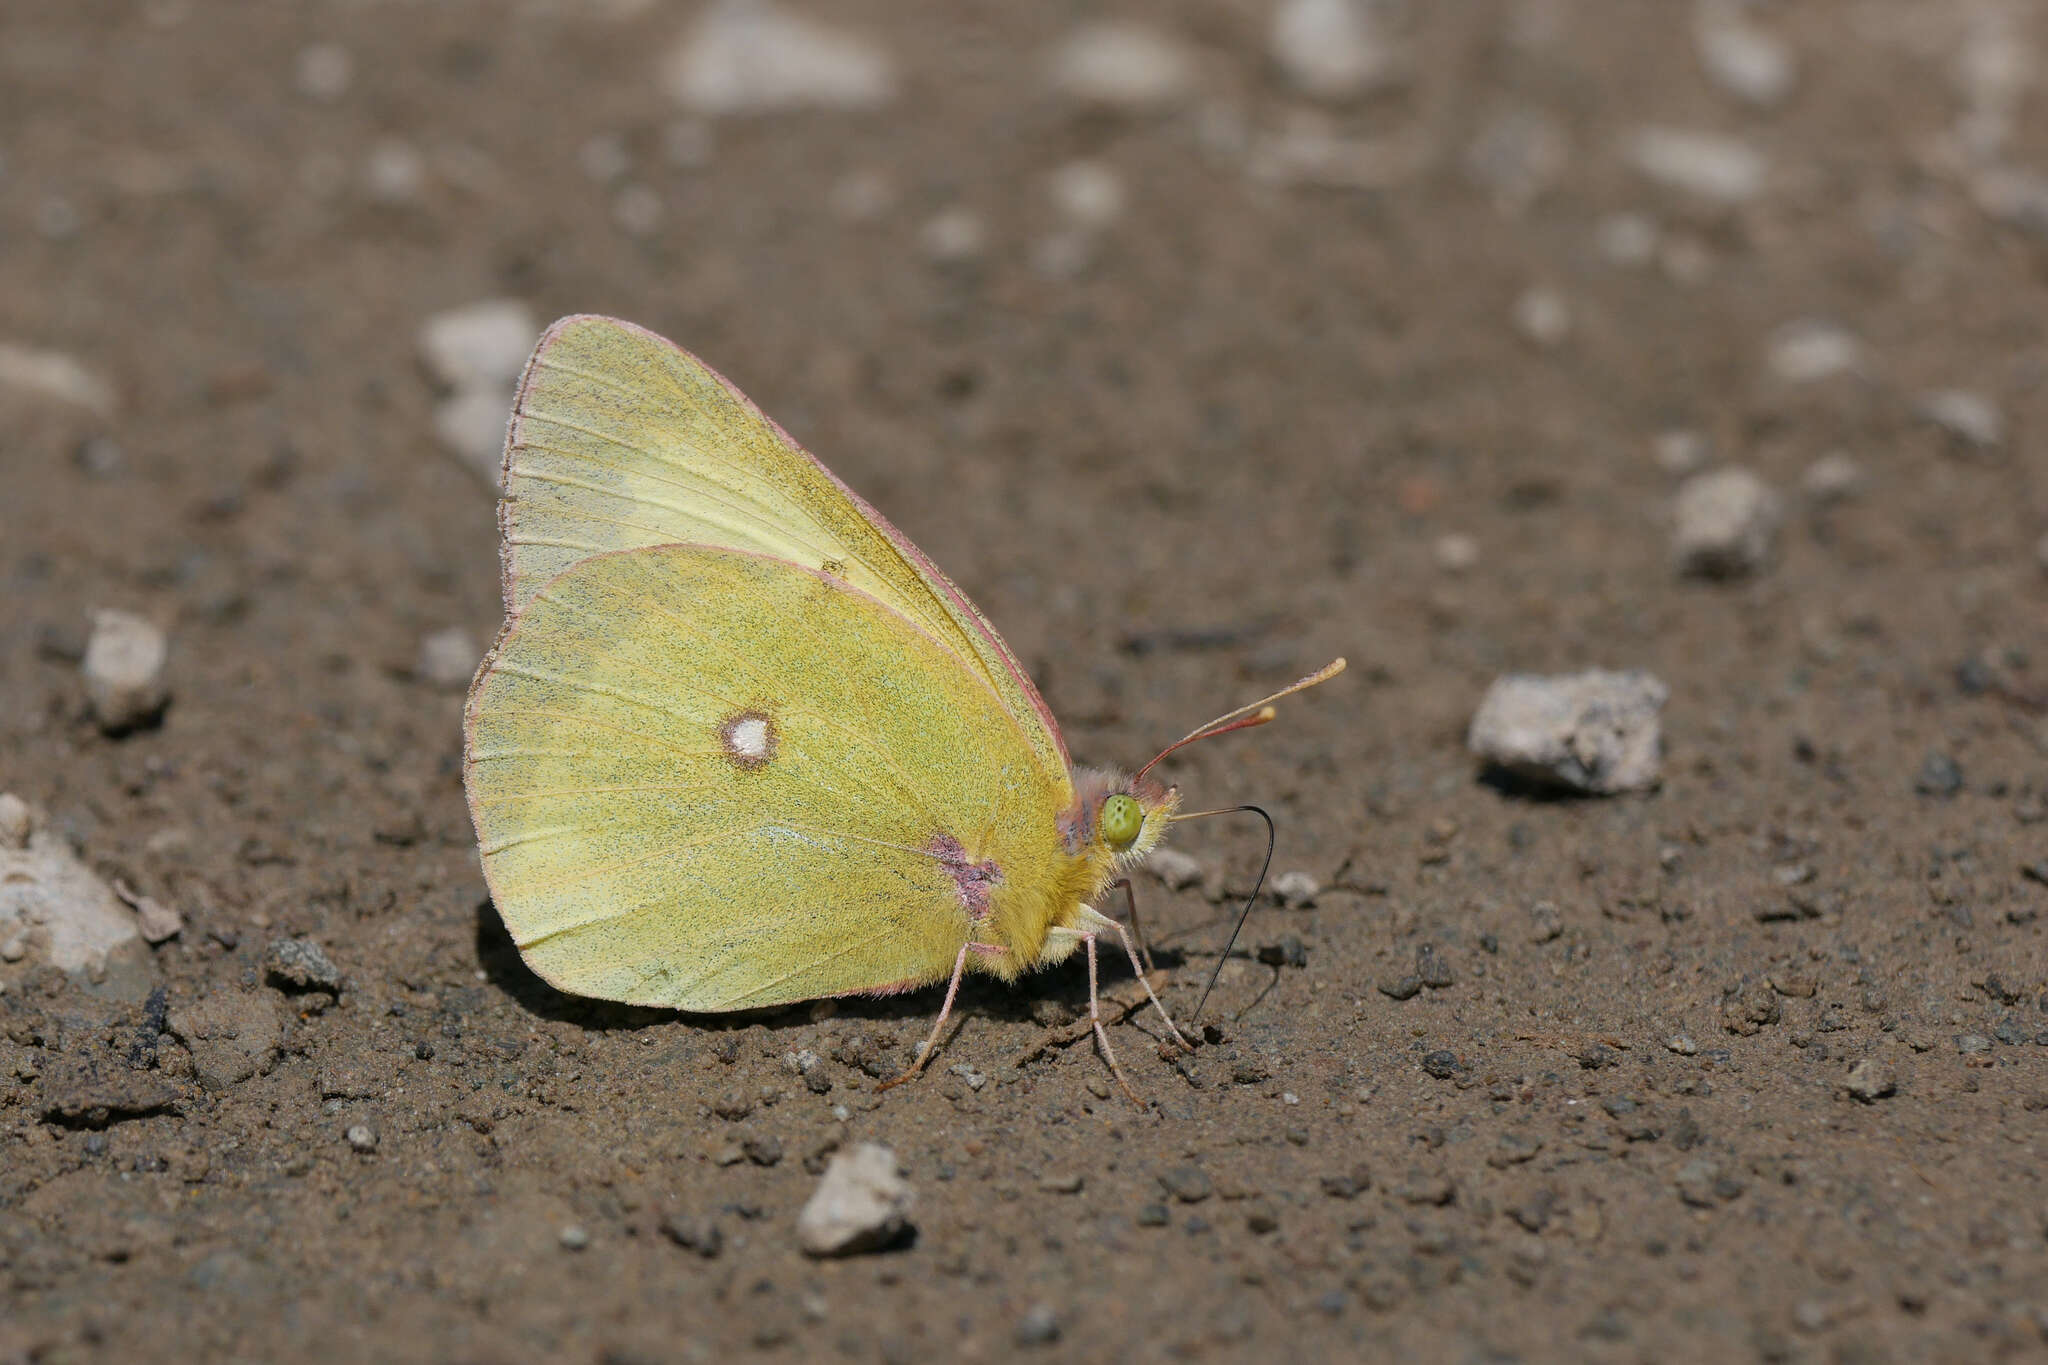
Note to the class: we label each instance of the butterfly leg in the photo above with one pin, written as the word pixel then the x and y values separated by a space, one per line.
pixel 1095 1018
pixel 1132 953
pixel 931 1044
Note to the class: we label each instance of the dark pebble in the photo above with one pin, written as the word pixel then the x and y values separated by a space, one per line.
pixel 1188 1184
pixel 1431 969
pixel 1152 1216
pixel 762 1151
pixel 1939 775
pixel 1442 1063
pixel 299 964
pixel 1288 952
pixel 1405 988
pixel 700 1235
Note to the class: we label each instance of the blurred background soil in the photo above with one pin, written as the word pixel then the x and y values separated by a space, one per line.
pixel 1198 349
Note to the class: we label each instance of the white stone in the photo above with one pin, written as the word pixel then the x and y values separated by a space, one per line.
pixel 1122 65
pixel 1710 165
pixel 1087 194
pixel 481 344
pixel 16 821
pixel 124 670
pixel 1969 417
pixel 447 658
pixel 1834 477
pixel 1812 349
pixel 54 375
pixel 1745 60
pixel 1597 732
pixel 325 71
pixel 470 425
pixel 54 912
pixel 1725 524
pixel 1543 316
pixel 1334 49
pixel 1681 451
pixel 395 173
pixel 861 1204
pixel 952 237
pixel 1176 870
pixel 1455 552
pixel 1297 890
pixel 754 57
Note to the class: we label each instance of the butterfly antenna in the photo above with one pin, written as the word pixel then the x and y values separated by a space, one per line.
pixel 1250 900
pixel 1245 717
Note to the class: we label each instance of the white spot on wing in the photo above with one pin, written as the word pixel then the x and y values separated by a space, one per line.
pixel 749 739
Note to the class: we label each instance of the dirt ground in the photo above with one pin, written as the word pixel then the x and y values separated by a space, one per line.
pixel 1181 452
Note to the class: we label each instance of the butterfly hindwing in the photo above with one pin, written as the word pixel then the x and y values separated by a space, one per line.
pixel 713 780
pixel 620 439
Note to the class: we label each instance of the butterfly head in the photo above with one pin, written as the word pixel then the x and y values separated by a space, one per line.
pixel 1117 818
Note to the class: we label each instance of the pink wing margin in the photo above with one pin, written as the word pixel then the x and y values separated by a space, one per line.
pixel 934 578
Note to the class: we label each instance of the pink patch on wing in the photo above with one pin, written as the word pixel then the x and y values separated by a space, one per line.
pixel 971 880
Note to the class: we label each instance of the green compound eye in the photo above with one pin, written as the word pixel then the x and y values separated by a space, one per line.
pixel 1121 819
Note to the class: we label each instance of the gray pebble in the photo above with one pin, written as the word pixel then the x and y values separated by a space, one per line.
pixel 1297 890
pixel 1188 1184
pixel 362 1137
pixel 300 964
pixel 1939 775
pixel 1442 1063
pixel 1545 922
pixel 1709 165
pixel 1968 1044
pixel 1177 870
pixel 1401 988
pixel 1152 1216
pixel 574 1237
pixel 447 658
pixel 1970 417
pixel 1871 1080
pixel 1596 732
pixel 1835 477
pixel 691 1233
pixel 759 58
pixel 1431 969
pixel 1812 349
pixel 1335 49
pixel 479 345
pixel 1040 1326
pixel 1122 66
pixel 1743 59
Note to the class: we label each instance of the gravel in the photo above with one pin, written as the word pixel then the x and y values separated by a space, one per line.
pixel 1122 66
pixel 751 57
pixel 1334 49
pixel 296 965
pixel 1972 419
pixel 1710 166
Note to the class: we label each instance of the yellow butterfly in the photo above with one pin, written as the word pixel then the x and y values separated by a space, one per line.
pixel 739 742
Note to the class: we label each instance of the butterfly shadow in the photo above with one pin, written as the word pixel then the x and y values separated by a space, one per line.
pixel 980 997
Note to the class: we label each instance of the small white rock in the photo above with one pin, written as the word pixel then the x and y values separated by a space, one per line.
pixel 1969 417
pixel 952 237
pixel 1087 194
pixel 124 670
pixel 861 1204
pixel 55 911
pixel 1297 890
pixel 56 375
pixel 1748 62
pixel 395 173
pixel 1455 552
pixel 1710 165
pixel 1811 349
pixel 448 658
pixel 157 922
pixel 325 71
pixel 1628 240
pixel 16 821
pixel 1834 477
pixel 1175 869
pixel 362 1137
pixel 1682 1044
pixel 1122 66
pixel 1543 316
pixel 1334 49
pixel 479 345
pixel 754 57
pixel 1681 451
pixel 1597 732
pixel 1871 1080
pixel 1725 524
